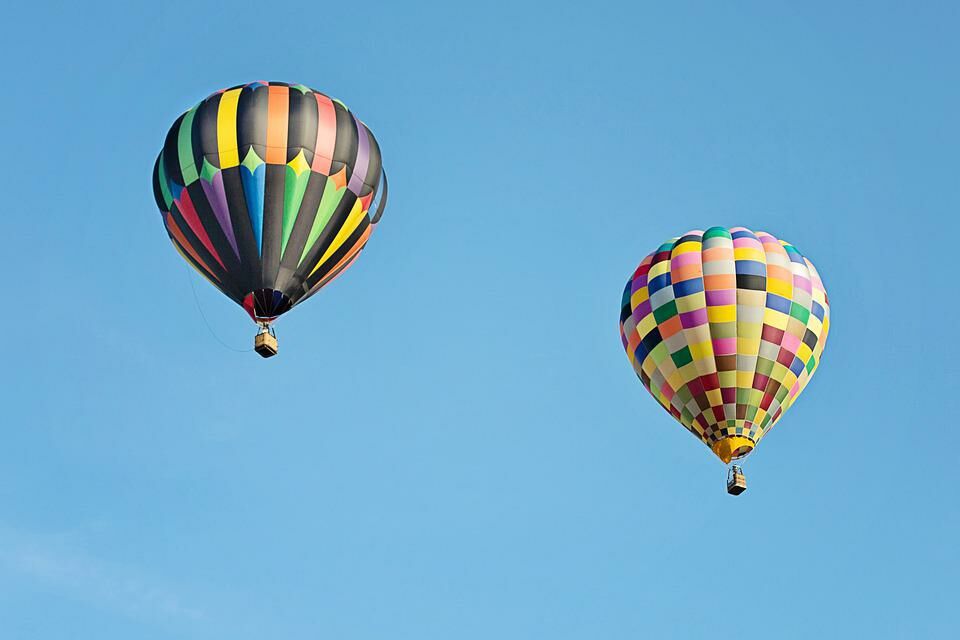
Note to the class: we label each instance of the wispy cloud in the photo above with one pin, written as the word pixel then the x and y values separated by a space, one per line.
pixel 58 563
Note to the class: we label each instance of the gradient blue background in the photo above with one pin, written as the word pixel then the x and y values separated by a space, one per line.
pixel 452 443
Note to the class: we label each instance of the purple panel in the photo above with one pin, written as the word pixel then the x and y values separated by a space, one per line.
pixel 217 198
pixel 362 164
pixel 693 318
pixel 720 297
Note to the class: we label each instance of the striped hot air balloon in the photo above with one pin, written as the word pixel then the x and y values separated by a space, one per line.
pixel 725 329
pixel 270 191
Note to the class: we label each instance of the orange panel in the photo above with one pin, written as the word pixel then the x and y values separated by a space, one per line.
pixel 278 113
pixel 720 282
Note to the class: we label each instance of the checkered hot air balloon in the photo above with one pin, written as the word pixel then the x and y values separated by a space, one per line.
pixel 270 191
pixel 725 328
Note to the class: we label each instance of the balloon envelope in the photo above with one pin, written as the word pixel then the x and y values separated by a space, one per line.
pixel 270 191
pixel 725 328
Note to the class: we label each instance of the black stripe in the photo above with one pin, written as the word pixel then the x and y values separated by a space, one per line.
pixel 287 279
pixel 252 121
pixel 171 156
pixel 303 121
pixel 227 285
pixel 325 239
pixel 338 255
pixel 751 282
pixel 205 141
pixel 347 143
pixel 157 191
pixel 248 276
pixel 272 222
pixel 375 164
pixel 210 224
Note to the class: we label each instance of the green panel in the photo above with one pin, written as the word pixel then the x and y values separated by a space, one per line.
pixel 717 232
pixel 812 364
pixel 659 353
pixel 208 171
pixel 251 161
pixel 185 149
pixel 328 204
pixel 764 367
pixel 798 312
pixel 665 312
pixel 723 329
pixel 682 357
pixel 164 182
pixel 294 188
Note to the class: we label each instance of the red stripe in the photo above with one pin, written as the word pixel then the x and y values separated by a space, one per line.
pixel 189 213
pixel 326 135
pixel 182 241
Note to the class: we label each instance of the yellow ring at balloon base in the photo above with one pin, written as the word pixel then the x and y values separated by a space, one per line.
pixel 733 447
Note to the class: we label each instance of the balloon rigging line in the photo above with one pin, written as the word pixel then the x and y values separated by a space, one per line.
pixel 196 300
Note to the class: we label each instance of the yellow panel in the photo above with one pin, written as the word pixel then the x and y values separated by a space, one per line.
pixel 689 372
pixel 686 247
pixel 686 304
pixel 815 325
pixel 648 366
pixel 749 253
pixel 779 372
pixel 646 325
pixel 676 380
pixel 638 297
pixel 749 332
pixel 701 350
pixel 776 319
pixel 789 380
pixel 780 287
pixel 725 313
pixel 227 129
pixel 353 220
pixel 725 448
pixel 658 269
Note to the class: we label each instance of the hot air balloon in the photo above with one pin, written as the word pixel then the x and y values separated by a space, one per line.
pixel 725 328
pixel 270 191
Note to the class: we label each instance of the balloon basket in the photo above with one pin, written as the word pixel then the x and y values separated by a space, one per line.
pixel 265 343
pixel 736 481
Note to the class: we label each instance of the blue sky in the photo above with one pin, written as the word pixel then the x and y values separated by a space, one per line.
pixel 452 443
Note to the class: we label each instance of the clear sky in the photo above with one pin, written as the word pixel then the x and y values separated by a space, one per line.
pixel 452 444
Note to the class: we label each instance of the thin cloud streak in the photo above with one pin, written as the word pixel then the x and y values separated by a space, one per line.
pixel 53 562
